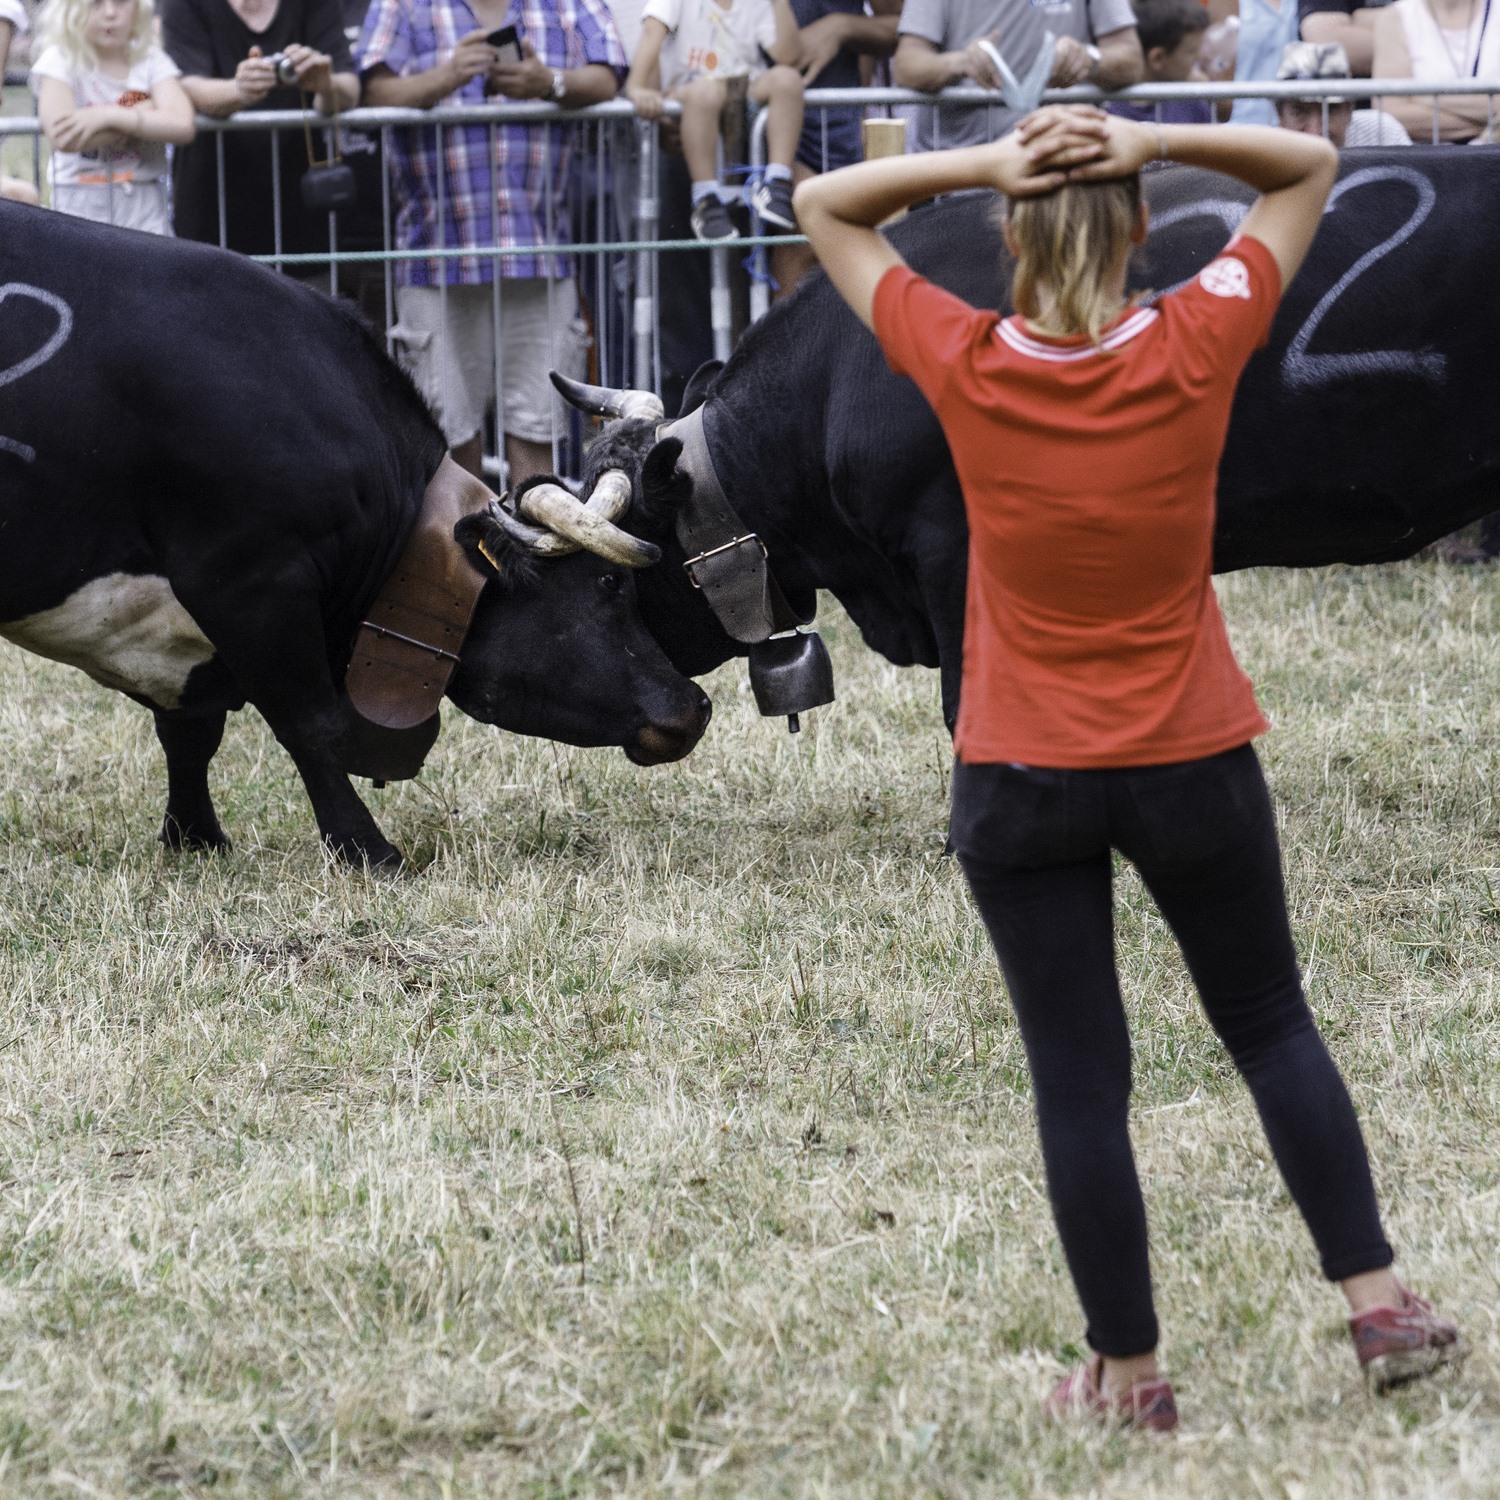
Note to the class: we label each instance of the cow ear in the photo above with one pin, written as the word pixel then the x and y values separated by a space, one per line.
pixel 493 551
pixel 695 393
pixel 665 488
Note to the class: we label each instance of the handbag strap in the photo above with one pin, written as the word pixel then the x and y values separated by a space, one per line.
pixel 338 153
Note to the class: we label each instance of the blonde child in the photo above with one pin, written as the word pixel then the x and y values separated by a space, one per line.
pixel 687 50
pixel 109 101
pixel 12 24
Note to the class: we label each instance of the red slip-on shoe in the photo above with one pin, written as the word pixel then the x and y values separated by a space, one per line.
pixel 1397 1344
pixel 1148 1404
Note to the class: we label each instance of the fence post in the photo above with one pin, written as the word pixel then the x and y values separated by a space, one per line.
pixel 760 290
pixel 647 214
pixel 885 138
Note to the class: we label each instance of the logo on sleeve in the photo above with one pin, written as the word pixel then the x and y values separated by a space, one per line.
pixel 1226 278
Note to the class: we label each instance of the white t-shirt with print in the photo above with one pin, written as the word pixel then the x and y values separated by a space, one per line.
pixel 14 12
pixel 709 40
pixel 137 161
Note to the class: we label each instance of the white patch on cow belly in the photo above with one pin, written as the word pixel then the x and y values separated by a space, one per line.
pixel 128 631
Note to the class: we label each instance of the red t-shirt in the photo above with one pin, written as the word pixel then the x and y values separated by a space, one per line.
pixel 1092 636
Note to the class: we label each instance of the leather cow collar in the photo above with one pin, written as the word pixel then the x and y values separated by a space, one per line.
pixel 725 559
pixel 407 647
pixel 790 670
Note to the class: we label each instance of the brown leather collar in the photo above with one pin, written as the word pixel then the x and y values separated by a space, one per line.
pixel 407 647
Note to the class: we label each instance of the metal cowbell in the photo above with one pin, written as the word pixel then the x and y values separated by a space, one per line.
pixel 791 673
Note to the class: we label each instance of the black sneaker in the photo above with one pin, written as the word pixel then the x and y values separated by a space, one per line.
pixel 772 200
pixel 710 220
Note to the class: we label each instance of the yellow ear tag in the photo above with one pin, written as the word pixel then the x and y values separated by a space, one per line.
pixel 489 556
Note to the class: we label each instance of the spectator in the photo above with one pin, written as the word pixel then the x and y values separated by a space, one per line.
pixel 422 53
pixel 1347 126
pixel 226 50
pixel 687 51
pixel 938 47
pixel 1265 30
pixel 13 23
pixel 835 36
pixel 1438 41
pixel 1171 33
pixel 1347 22
pixel 109 100
pixel 1266 27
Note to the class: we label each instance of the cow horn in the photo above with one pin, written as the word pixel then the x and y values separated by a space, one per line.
pixel 611 495
pixel 601 401
pixel 564 514
pixel 529 538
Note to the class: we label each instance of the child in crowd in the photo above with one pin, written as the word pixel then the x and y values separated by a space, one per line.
pixel 687 50
pixel 13 23
pixel 109 101
pixel 1171 33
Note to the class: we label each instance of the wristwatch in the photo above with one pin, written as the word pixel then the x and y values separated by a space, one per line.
pixel 559 86
pixel 1096 57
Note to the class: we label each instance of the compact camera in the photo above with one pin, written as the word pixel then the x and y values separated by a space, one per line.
pixel 286 69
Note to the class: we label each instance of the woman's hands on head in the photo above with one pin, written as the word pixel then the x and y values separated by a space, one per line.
pixel 1073 143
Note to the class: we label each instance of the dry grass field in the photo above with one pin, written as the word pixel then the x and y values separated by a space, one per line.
pixel 667 1134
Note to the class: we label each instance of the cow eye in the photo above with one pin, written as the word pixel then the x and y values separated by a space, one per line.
pixel 611 583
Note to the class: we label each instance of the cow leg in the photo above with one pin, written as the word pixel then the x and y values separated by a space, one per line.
pixel 189 742
pixel 279 659
pixel 942 584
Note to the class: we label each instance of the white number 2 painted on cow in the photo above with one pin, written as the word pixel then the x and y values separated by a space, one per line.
pixel 1301 370
pixel 36 360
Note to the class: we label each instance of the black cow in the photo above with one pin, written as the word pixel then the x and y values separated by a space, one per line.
pixel 1368 426
pixel 207 473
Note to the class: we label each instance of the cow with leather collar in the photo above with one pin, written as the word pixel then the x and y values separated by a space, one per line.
pixel 1364 430
pixel 210 476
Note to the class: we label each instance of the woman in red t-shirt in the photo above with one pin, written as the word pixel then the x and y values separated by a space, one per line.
pixel 1102 708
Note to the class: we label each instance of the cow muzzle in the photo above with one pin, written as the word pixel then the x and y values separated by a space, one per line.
pixel 670 738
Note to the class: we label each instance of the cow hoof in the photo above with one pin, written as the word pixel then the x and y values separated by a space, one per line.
pixel 193 838
pixel 377 859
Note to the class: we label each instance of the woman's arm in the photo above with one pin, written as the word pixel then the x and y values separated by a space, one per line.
pixel 820 41
pixel 253 79
pixel 169 116
pixel 54 101
pixel 839 210
pixel 787 47
pixel 643 82
pixel 1292 172
pixel 1459 115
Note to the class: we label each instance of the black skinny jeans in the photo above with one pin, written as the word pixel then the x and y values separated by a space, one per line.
pixel 1035 845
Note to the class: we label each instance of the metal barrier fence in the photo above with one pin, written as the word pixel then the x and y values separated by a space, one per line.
pixel 609 217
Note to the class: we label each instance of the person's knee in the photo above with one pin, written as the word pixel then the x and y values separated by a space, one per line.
pixel 702 97
pixel 1260 1021
pixel 780 83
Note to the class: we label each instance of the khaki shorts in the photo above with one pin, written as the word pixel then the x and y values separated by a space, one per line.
pixel 451 353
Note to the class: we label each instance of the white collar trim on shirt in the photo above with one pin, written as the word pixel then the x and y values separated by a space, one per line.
pixel 1012 333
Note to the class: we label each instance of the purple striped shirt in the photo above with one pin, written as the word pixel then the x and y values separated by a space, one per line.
pixel 454 199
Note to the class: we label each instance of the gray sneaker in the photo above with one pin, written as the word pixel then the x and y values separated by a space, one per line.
pixel 771 198
pixel 710 220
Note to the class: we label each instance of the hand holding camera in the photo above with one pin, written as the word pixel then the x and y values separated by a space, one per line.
pixel 297 67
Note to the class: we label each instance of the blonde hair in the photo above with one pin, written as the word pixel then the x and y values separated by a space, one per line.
pixel 1070 242
pixel 64 24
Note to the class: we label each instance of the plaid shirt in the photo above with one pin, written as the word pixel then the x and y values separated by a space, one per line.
pixel 483 205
